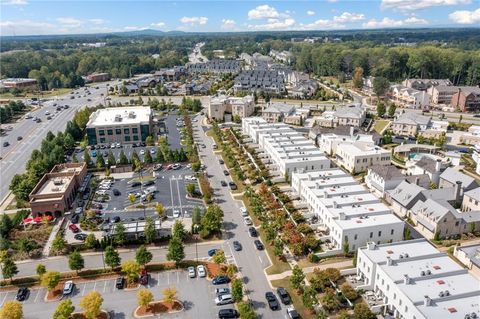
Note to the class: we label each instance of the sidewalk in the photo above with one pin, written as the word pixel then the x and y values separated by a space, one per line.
pixel 51 238
pixel 341 264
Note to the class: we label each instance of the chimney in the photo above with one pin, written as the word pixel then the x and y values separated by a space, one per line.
pixel 438 165
pixel 341 216
pixel 389 261
pixel 407 280
pixel 335 205
pixel 371 245
pixel 427 302
pixel 458 191
pixel 417 179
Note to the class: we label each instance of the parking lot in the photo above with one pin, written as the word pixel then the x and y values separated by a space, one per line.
pixel 197 295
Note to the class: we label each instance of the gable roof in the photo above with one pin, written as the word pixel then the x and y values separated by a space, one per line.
pixel 452 175
pixel 411 118
pixel 474 193
pixel 405 193
pixel 387 172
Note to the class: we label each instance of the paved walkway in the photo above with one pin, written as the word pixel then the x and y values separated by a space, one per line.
pixel 341 264
pixel 51 238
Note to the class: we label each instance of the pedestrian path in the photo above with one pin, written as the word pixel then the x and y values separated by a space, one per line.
pixel 53 234
pixel 285 274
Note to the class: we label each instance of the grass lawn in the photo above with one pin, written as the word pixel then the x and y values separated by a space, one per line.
pixel 304 262
pixel 44 94
pixel 296 300
pixel 380 125
pixel 277 266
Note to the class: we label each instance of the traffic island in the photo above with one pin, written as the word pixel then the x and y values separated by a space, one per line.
pixel 55 294
pixel 80 315
pixel 158 307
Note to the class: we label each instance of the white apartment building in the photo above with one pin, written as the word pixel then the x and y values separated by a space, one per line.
pixel 288 150
pixel 349 212
pixel 349 115
pixel 416 281
pixel 223 108
pixel 410 98
pixel 359 156
pixel 329 142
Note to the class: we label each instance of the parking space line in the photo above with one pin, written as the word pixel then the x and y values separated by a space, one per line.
pixel 168 278
pixel 158 279
pixel 178 278
pixel 83 291
pixel 4 298
pixel 38 293
pixel 105 285
pixel 94 285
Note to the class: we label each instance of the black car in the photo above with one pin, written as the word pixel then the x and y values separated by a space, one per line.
pixel 134 145
pixel 237 246
pixel 252 231
pixel 75 219
pixel 227 313
pixel 148 183
pixel 220 280
pixel 19 138
pixel 120 282
pixel 272 301
pixel 221 161
pixel 116 192
pixel 22 294
pixel 136 184
pixel 116 219
pixel 223 183
pixel 143 144
pixel 232 185
pixel 258 244
pixel 5 144
pixel 284 296
pixel 105 154
pixel 80 236
pixel 226 173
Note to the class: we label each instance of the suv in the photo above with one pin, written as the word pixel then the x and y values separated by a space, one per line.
pixel 224 299
pixel 220 280
pixel 232 185
pixel 227 313
pixel 22 294
pixel 258 244
pixel 120 282
pixel 252 231
pixel 226 173
pixel 272 301
pixel 284 296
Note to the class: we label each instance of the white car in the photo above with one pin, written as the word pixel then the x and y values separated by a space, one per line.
pixel 191 272
pixel 190 178
pixel 142 152
pixel 176 213
pixel 137 195
pixel 152 151
pixel 113 145
pixel 47 113
pixel 118 145
pixel 244 211
pixel 201 271
pixel 248 221
pixel 68 287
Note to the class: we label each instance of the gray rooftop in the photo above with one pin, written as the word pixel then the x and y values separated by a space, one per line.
pixel 474 193
pixel 410 118
pixel 387 172
pixel 452 175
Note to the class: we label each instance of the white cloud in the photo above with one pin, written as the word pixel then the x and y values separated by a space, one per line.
pixel 407 5
pixel 310 13
pixel 26 27
pixel 134 28
pixel 349 17
pixel 465 17
pixel 391 23
pixel 332 1
pixel 194 20
pixel 263 12
pixel 69 22
pixel 228 24
pixel 158 24
pixel 14 2
pixel 97 21
pixel 274 24
pixel 322 24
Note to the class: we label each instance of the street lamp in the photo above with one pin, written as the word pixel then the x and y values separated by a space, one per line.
pixel 195 232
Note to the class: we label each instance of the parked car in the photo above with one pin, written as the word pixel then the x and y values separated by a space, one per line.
pixel 237 246
pixel 22 294
pixel 135 184
pixel 148 183
pixel 221 161
pixel 223 183
pixel 224 300
pixel 144 277
pixel 74 228
pixel 244 211
pixel 176 166
pixel 75 218
pixel 5 144
pixel 252 231
pixel 116 219
pixel 258 244
pixel 211 252
pixel 116 192
pixel 80 236
pixel 176 213
pixel 222 291
pixel 248 221
pixel 191 272
pixel 220 280
pixel 68 287
pixel 226 173
pixel 284 296
pixel 120 283
pixel 292 313
pixel 201 271
pixel 232 185
pixel 227 313
pixel 272 301
pixel 19 138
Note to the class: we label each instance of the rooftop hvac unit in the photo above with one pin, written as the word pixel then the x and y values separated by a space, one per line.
pixel 118 118
pixel 131 115
pixel 57 182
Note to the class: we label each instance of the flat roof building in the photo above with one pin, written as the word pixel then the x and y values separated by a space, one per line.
pixel 18 83
pixel 224 108
pixel 55 192
pixel 119 125
pixel 414 280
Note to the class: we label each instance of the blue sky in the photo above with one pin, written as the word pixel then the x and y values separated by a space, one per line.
pixel 32 17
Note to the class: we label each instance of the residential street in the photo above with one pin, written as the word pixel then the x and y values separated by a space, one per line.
pixel 250 261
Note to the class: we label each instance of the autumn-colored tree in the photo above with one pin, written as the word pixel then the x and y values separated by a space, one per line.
pixel 144 297
pixel 11 310
pixel 91 304
pixel 169 294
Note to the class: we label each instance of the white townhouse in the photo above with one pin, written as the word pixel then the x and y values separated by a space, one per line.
pixel 414 280
pixel 349 212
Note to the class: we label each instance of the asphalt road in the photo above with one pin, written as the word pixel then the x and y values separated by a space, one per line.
pixel 16 155
pixel 250 261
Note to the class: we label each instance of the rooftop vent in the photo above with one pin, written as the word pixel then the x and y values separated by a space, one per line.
pixel 118 118
pixel 57 181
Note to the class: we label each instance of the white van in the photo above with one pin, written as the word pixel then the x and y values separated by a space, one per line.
pixel 150 190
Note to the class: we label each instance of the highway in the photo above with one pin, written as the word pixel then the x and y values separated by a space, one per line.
pixel 17 153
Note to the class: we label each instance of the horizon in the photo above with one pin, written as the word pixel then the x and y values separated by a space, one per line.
pixel 44 18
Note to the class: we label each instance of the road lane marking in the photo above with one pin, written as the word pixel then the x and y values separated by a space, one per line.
pixel 94 285
pixel 83 291
pixel 260 259
pixel 38 293
pixel 158 279
pixel 105 285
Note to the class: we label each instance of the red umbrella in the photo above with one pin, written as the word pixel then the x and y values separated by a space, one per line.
pixel 28 220
pixel 38 219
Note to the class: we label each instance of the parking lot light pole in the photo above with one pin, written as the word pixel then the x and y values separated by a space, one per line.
pixel 195 230
pixel 141 193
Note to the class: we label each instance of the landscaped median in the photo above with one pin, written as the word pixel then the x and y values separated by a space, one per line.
pixel 147 307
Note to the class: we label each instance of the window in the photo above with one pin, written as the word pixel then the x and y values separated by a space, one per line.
pixel 355 237
pixel 109 132
pixel 394 296
pixel 388 287
pixel 371 234
pixel 134 130
pixel 118 131
pixel 135 137
pixel 379 233
pixel 127 138
pixel 400 302
pixel 126 131
pixel 101 132
pixel 102 139
pixel 391 232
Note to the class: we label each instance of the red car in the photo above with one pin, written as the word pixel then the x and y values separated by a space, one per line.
pixel 74 228
pixel 169 167
pixel 144 277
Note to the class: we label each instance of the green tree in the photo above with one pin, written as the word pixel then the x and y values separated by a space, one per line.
pixel 100 163
pixel 159 156
pixel 90 241
pixel 123 160
pixel 41 269
pixel 329 300
pixel 11 310
pixel 149 140
pixel 362 311
pixel 9 268
pixel 196 215
pixel 190 188
pixel 380 85
pixel 150 232
pixel 237 289
pixel 144 297
pixel 112 258
pixel 358 78
pixel 391 109
pixel 160 210
pixel 309 297
pixel 87 158
pixel 111 159
pixel 176 251
pixel 147 158
pixel 131 269
pixel 64 309
pixel 246 311
pixel 50 279
pixel 143 256
pixel 76 261
pixel 91 304
pixel 5 225
pixel 219 257
pixel 381 109
pixel 348 291
pixel 169 294
pixel 119 236
pixel 211 220
pixel 178 230
pixel 297 277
